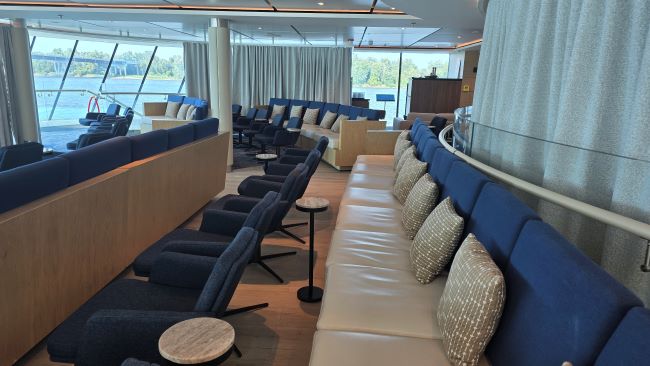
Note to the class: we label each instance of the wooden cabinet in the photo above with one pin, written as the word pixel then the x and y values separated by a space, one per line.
pixel 434 95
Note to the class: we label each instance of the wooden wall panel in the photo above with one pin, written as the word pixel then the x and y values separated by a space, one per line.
pixel 435 95
pixel 56 252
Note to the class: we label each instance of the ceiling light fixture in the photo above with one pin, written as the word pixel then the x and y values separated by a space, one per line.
pixel 460 37
pixel 260 28
pixel 321 4
pixel 392 8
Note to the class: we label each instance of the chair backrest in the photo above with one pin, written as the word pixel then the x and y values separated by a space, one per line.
pixel 113 109
pixel 88 139
pixel 261 113
pixel 236 108
pixel 294 122
pixel 121 127
pixel 321 146
pixel 312 162
pixel 251 113
pixel 290 182
pixel 18 155
pixel 438 123
pixel 226 273
pixel 277 121
pixel 560 306
pixel 127 111
pixel 259 217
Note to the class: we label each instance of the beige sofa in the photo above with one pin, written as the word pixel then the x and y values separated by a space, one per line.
pixel 154 118
pixel 405 124
pixel 344 146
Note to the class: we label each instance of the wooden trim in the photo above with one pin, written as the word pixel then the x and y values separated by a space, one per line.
pixel 154 108
pixel 381 142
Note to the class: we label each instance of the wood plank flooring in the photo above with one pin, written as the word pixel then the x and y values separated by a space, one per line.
pixel 282 333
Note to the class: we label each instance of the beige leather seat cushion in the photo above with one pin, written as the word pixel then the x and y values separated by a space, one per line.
pixel 371 181
pixel 370 197
pixel 373 219
pixel 362 349
pixel 370 249
pixel 376 159
pixel 373 169
pixel 381 301
pixel 315 132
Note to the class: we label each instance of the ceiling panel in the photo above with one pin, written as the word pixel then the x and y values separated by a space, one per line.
pixel 357 5
pixel 161 3
pixel 390 36
pixel 221 3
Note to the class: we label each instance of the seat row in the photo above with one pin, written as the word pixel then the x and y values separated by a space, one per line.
pixel 560 306
pixel 27 183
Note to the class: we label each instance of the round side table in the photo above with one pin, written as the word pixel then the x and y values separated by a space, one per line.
pixel 312 205
pixel 266 158
pixel 198 341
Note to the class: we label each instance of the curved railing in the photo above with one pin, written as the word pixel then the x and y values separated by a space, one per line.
pixel 463 139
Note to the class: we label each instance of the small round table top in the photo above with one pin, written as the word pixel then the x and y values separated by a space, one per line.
pixel 312 204
pixel 266 156
pixel 293 130
pixel 196 341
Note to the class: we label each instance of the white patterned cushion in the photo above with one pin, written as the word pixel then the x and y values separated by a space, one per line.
pixel 436 241
pixel 182 111
pixel 278 110
pixel 418 205
pixel 328 120
pixel 336 127
pixel 404 135
pixel 191 111
pixel 296 111
pixel 471 303
pixel 400 147
pixel 172 109
pixel 407 155
pixel 410 173
pixel 311 116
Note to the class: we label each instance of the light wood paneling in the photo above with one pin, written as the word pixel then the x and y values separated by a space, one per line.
pixel 381 142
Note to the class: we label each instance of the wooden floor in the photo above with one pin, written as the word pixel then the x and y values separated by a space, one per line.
pixel 282 333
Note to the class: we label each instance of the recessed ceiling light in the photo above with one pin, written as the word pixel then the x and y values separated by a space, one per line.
pixel 260 28
pixel 460 37
pixel 403 28
pixel 321 4
pixel 392 8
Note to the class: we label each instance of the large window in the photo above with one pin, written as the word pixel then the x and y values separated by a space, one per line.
pixel 378 72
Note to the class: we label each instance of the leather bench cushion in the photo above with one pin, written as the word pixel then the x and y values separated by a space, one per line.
pixel 373 169
pixel 371 181
pixel 381 301
pixel 363 248
pixel 353 349
pixel 373 219
pixel 376 159
pixel 370 197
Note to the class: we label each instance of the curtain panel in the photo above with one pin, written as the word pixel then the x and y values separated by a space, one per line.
pixel 563 98
pixel 308 73
pixel 197 71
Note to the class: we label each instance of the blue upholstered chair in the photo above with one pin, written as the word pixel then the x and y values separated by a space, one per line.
pixel 21 154
pixel 113 110
pixel 277 136
pixel 243 123
pixel 297 156
pixel 236 111
pixel 277 173
pixel 127 317
pixel 266 135
pixel 257 125
pixel 107 128
pixel 438 124
pixel 219 227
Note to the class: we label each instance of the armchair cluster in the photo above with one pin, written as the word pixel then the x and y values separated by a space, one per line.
pixel 515 292
pixel 106 127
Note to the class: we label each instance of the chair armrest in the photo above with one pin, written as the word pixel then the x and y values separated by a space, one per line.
pixel 222 222
pixel 94 115
pixel 201 248
pixel 111 336
pixel 88 139
pixel 258 188
pixel 181 270
pixel 240 204
pixel 292 159
pixel 271 178
pixel 280 169
pixel 296 152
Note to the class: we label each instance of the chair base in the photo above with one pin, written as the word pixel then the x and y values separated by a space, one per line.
pixel 265 266
pixel 291 235
pixel 245 309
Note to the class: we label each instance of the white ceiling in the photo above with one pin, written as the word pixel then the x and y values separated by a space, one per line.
pixel 263 21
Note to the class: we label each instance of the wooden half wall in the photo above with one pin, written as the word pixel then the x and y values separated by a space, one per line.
pixel 58 251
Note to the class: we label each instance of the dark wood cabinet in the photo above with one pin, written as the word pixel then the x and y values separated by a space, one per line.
pixel 361 102
pixel 434 95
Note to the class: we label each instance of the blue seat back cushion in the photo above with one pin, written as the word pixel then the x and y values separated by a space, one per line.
pixel 113 109
pixel 463 184
pixel 329 107
pixel 422 135
pixel 496 220
pixel 560 306
pixel 98 159
pixel 30 182
pixel 439 168
pixel 422 144
pixel 205 128
pixel 344 109
pixel 355 112
pixel 179 136
pixel 630 344
pixel 148 144
pixel 430 148
pixel 372 114
pixel 316 105
pixel 175 98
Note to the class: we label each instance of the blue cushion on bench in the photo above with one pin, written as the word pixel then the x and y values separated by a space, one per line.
pixel 355 112
pixel 316 105
pixel 429 150
pixel 496 220
pixel 630 343
pixel 422 144
pixel 560 306
pixel 97 159
pixel 148 144
pixel 372 114
pixel 440 166
pixel 344 109
pixel 463 184
pixel 421 135
pixel 30 182
pixel 205 128
pixel 175 98
pixel 179 136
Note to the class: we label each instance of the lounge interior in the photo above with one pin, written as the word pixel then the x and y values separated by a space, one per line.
pixel 286 182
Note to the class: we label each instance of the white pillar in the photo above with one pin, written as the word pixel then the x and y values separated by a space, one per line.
pixel 221 77
pixel 26 126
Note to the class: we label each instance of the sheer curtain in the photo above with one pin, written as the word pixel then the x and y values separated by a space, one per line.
pixel 197 71
pixel 309 73
pixel 577 73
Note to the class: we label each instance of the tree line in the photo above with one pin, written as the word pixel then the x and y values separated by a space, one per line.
pixel 372 72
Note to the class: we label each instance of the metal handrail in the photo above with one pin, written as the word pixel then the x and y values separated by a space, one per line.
pixel 608 217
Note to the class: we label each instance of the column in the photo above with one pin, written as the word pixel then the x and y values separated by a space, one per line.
pixel 221 77
pixel 25 122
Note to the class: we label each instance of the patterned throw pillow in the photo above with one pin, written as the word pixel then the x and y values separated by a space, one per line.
pixel 410 173
pixel 328 120
pixel 418 205
pixel 405 135
pixel 172 109
pixel 436 241
pixel 471 303
pixel 311 116
pixel 182 112
pixel 336 127
pixel 296 111
pixel 400 147
pixel 278 110
pixel 190 113
pixel 406 156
